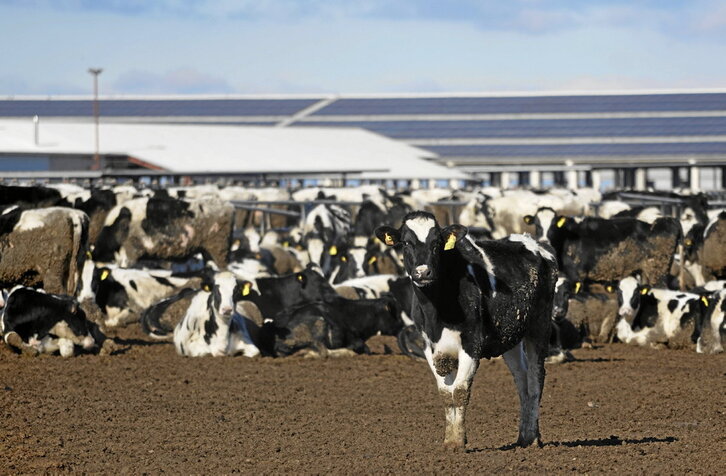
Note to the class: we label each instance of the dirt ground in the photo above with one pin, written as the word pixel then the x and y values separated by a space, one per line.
pixel 615 409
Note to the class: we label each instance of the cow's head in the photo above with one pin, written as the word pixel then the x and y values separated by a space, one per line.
pixel 423 242
pixel 630 292
pixel 224 292
pixel 547 222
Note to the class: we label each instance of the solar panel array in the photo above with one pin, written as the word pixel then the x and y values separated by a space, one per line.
pixel 477 129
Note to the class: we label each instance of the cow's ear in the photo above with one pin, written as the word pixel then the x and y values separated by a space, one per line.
pixel 560 221
pixel 528 219
pixel 388 235
pixel 452 234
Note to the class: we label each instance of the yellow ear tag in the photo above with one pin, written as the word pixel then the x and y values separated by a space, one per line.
pixel 333 250
pixel 299 277
pixel 688 242
pixel 704 299
pixel 285 244
pixel 372 260
pixel 561 222
pixel 343 259
pixel 89 255
pixel 104 274
pixel 246 289
pixel 388 240
pixel 578 285
pixel 644 291
pixel 207 288
pixel 450 242
pixel 609 289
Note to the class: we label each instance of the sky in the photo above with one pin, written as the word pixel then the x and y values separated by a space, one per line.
pixel 221 47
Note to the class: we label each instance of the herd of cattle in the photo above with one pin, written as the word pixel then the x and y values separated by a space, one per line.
pixel 187 266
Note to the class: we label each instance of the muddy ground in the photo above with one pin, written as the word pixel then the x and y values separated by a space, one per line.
pixel 616 409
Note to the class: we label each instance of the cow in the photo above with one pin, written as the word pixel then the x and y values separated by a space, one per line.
pixel 478 300
pixel 211 326
pixel 167 229
pixel 599 249
pixel 564 335
pixel 653 317
pixel 122 294
pixel 44 247
pixel 34 322
pixel 336 323
pixel 713 331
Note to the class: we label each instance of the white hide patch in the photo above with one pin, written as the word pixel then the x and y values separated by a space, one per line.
pixel 449 343
pixel 421 226
pixel 488 266
pixel 545 217
pixel 32 219
pixel 532 246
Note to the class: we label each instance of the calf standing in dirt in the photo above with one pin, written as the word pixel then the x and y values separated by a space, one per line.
pixel 478 300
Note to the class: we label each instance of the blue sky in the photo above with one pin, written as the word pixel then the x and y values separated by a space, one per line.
pixel 359 46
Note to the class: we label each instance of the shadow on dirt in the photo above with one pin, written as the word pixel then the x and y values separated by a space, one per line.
pixel 609 441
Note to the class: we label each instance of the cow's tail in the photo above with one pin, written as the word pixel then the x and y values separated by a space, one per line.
pixel 151 318
pixel 411 343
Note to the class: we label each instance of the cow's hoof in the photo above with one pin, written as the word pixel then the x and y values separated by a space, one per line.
pixel 527 442
pixel 454 446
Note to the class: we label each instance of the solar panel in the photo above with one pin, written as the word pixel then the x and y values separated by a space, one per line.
pixel 155 107
pixel 539 128
pixel 529 105
pixel 579 149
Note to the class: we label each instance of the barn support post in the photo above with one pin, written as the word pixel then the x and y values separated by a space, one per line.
pixel 504 180
pixel 535 178
pixel 595 179
pixel 695 178
pixel 641 178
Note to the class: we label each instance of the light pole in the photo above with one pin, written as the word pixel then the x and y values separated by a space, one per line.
pixel 95 72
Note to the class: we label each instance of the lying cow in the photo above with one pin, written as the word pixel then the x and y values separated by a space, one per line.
pixel 713 331
pixel 658 316
pixel 336 323
pixel 123 294
pixel 478 300
pixel 36 322
pixel 211 326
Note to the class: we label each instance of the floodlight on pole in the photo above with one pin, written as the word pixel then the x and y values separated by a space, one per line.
pixel 96 157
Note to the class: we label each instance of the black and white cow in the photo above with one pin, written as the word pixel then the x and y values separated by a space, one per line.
pixel 165 229
pixel 713 331
pixel 651 316
pixel 44 247
pixel 478 300
pixel 123 294
pixel 35 321
pixel 211 325
pixel 336 323
pixel 598 249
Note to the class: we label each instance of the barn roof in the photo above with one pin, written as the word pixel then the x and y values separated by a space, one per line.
pixel 464 129
pixel 200 149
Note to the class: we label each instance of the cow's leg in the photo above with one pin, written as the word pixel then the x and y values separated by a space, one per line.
pixel 516 360
pixel 535 350
pixel 455 388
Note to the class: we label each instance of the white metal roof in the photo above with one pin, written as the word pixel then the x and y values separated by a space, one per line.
pixel 231 149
